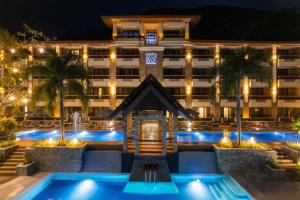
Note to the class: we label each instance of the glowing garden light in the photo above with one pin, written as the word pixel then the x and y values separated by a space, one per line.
pixel 75 141
pixel 41 50
pixel 15 70
pixel 225 140
pixel 12 51
pixel 51 141
pixel 252 140
pixel 12 98
pixel 25 100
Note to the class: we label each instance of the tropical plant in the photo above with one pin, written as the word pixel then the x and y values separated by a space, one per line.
pixel 7 126
pixel 296 124
pixel 237 64
pixel 61 74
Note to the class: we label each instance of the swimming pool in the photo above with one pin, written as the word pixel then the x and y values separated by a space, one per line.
pixel 201 136
pixel 117 187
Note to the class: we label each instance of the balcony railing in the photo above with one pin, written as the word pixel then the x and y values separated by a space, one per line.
pixel 100 57
pixel 175 35
pixel 283 97
pixel 289 58
pixel 119 76
pixel 288 77
pixel 202 77
pixel 260 97
pixel 99 97
pixel 179 96
pixel 196 96
pixel 122 96
pixel 99 76
pixel 167 76
pixel 173 57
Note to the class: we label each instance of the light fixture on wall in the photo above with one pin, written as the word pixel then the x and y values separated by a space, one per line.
pixel 113 55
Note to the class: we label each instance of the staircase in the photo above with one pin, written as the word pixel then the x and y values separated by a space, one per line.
pixel 8 167
pixel 283 160
pixel 150 148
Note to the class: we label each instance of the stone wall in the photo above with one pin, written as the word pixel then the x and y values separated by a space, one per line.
pixel 197 162
pixel 293 154
pixel 56 159
pixel 241 159
pixel 6 151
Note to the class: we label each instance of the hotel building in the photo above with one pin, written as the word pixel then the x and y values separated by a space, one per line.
pixel 162 46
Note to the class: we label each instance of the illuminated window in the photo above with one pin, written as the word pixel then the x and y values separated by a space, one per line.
pixel 151 58
pixel 151 37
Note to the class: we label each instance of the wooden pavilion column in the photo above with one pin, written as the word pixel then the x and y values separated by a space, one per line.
pixel 175 127
pixel 164 135
pixel 125 133
pixel 136 133
pixel 170 127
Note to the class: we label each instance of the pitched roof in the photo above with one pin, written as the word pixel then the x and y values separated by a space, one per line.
pixel 150 95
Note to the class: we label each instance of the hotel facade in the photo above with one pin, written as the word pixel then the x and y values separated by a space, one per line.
pixel 162 46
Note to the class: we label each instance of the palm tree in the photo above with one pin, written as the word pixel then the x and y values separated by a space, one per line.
pixel 60 74
pixel 237 64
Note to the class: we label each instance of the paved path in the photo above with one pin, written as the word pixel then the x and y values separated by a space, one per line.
pixel 272 189
pixel 12 188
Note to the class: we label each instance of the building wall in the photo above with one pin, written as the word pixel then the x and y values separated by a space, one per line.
pixel 185 67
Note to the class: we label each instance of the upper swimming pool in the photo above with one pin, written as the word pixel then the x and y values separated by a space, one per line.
pixel 117 136
pixel 117 187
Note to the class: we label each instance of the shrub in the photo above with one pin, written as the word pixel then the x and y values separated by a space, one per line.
pixel 272 163
pixel 7 126
pixel 244 144
pixel 57 143
pixel 6 143
pixel 296 124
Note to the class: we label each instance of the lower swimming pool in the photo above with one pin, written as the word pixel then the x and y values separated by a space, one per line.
pixel 117 136
pixel 117 187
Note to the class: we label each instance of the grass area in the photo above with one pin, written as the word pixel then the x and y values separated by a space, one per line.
pixel 244 144
pixel 6 143
pixel 58 143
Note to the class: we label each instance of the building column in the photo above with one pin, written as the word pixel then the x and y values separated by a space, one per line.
pixel 160 31
pixel 142 69
pixel 175 127
pixel 217 106
pixel 164 134
pixel 246 85
pixel 85 58
pixel 112 77
pixel 115 31
pixel 274 83
pixel 187 31
pixel 136 134
pixel 56 106
pixel 188 77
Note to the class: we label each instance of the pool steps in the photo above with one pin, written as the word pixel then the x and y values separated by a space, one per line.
pixel 222 191
pixel 8 167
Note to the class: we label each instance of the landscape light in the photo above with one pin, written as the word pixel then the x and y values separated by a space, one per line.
pixel 252 140
pixel 12 51
pixel 25 100
pixel 15 70
pixel 51 140
pixel 41 50
pixel 12 98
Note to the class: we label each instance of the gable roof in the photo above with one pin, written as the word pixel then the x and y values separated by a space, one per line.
pixel 150 95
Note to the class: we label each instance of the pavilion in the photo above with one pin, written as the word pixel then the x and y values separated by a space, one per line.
pixel 150 119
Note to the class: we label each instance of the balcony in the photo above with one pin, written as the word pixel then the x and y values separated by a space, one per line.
pixel 99 80
pixel 203 60
pixel 230 102
pixel 257 84
pixel 174 60
pixel 174 80
pixel 128 80
pixel 289 101
pixel 202 80
pixel 133 60
pixel 289 60
pixel 289 81
pixel 260 103
pixel 98 60
pixel 201 102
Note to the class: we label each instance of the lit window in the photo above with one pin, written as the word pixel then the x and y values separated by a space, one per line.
pixel 151 58
pixel 151 38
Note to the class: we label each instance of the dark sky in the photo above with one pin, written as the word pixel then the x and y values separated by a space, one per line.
pixel 60 16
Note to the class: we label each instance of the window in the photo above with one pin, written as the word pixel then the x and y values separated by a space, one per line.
pixel 130 33
pixel 151 37
pixel 151 58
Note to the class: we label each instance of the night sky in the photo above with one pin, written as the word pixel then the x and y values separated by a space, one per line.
pixel 62 16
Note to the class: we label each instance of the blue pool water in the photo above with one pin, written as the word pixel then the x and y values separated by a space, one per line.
pixel 201 136
pixel 116 187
